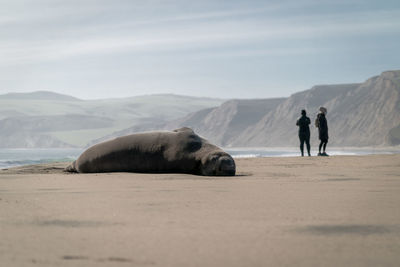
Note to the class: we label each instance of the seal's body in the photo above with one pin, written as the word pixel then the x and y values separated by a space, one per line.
pixel 178 151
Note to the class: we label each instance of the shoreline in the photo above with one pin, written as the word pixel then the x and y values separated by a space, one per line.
pixel 10 158
pixel 292 211
pixel 57 167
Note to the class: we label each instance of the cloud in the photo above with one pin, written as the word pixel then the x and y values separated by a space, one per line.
pixel 198 32
pixel 49 33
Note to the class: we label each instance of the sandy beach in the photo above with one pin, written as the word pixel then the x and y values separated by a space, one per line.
pixel 318 211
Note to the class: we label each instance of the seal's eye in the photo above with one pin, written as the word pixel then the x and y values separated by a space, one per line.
pixel 194 143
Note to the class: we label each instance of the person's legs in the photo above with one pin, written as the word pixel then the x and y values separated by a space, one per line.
pixel 308 146
pixel 320 146
pixel 302 146
pixel 326 142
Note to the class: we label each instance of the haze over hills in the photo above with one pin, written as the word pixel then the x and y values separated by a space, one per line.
pixel 46 119
pixel 359 114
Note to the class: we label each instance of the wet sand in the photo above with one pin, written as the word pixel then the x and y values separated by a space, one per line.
pixel 336 211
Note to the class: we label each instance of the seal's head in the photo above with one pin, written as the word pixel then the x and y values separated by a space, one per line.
pixel 218 163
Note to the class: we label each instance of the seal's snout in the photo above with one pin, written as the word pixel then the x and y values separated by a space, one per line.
pixel 220 164
pixel 226 166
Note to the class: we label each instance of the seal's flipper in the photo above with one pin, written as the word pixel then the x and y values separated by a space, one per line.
pixel 71 168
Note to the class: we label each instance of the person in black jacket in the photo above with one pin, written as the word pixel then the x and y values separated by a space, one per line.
pixel 304 132
pixel 322 125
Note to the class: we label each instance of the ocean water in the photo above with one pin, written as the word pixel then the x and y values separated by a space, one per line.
pixel 19 157
pixel 294 152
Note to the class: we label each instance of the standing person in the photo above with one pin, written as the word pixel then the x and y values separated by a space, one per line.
pixel 322 125
pixel 304 132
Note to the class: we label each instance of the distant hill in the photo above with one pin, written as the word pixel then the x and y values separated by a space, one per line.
pixel 359 114
pixel 224 123
pixel 278 128
pixel 46 119
pixel 221 124
pixel 39 95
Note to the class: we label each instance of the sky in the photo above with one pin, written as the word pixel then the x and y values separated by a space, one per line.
pixel 227 49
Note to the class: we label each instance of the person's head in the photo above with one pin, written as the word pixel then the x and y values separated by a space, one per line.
pixel 323 110
pixel 303 112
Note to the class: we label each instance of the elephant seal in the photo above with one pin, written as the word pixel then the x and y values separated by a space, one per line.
pixel 177 151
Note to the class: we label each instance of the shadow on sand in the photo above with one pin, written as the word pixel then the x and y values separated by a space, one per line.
pixel 348 229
